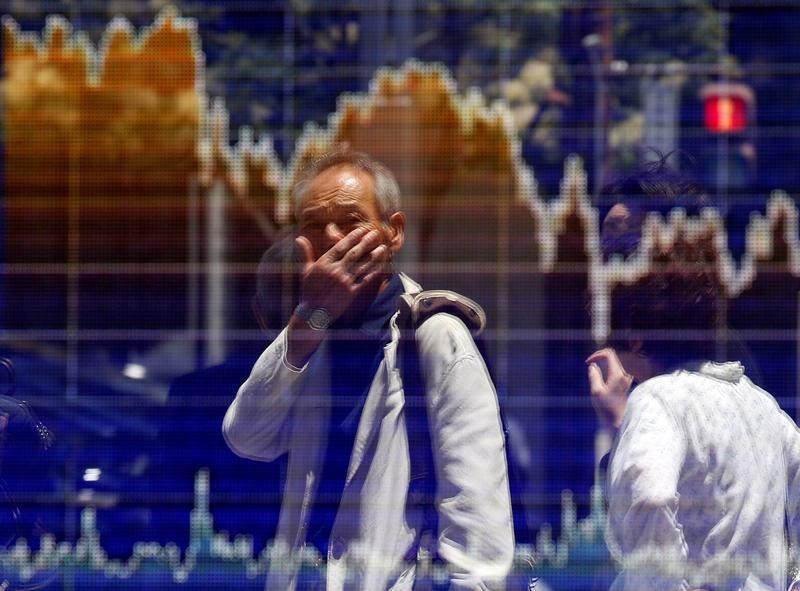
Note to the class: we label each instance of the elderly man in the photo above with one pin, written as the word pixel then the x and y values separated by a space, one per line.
pixel 329 391
pixel 704 474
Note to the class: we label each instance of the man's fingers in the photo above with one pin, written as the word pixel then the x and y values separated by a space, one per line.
pixel 374 262
pixel 377 272
pixel 306 251
pixel 363 251
pixel 341 248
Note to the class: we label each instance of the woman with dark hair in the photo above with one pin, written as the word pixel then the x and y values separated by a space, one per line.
pixel 704 474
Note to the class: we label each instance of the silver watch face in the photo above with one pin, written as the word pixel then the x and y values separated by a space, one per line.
pixel 319 319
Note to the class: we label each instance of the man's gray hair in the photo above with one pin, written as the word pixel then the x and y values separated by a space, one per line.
pixel 387 191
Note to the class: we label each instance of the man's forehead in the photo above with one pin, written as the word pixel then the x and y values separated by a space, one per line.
pixel 339 186
pixel 344 175
pixel 350 181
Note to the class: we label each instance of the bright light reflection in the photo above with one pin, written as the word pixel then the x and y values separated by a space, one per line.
pixel 92 474
pixel 134 371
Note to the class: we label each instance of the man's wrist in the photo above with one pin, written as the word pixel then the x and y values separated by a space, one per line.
pixel 317 318
pixel 301 341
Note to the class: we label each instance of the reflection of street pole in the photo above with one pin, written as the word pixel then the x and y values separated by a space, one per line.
pixel 193 278
pixel 216 321
pixel 594 47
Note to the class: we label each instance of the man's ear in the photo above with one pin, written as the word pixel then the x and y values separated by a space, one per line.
pixel 397 227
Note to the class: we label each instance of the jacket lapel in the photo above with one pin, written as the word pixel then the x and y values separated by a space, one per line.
pixel 384 393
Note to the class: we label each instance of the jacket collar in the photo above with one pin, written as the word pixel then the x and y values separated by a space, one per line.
pixel 731 371
pixel 409 285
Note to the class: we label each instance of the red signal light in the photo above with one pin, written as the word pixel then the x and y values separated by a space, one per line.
pixel 725 114
pixel 726 107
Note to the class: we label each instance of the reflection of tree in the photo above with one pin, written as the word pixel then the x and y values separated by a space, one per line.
pixel 86 147
pixel 655 33
pixel 610 47
pixel 326 46
pixel 536 104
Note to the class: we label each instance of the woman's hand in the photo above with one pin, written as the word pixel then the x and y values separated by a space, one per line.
pixel 609 385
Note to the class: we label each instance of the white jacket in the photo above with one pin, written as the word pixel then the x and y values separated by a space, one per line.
pixel 278 410
pixel 703 479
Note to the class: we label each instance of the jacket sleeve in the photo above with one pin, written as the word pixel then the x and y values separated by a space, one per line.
pixel 257 424
pixel 644 532
pixel 476 536
pixel 791 452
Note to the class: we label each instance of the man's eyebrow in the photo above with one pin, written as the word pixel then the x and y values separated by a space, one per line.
pixel 313 211
pixel 347 209
pixel 352 209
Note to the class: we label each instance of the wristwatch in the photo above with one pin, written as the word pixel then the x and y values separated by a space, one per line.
pixel 316 318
